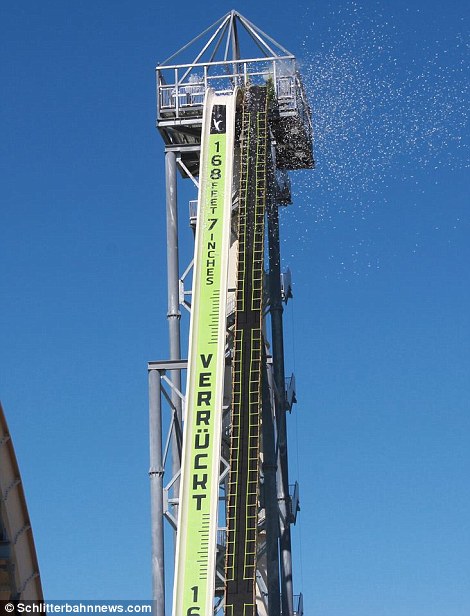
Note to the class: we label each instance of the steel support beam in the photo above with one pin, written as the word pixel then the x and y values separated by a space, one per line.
pixel 270 497
pixel 276 311
pixel 173 314
pixel 156 473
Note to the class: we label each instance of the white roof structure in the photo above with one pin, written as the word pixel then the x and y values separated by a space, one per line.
pixel 19 571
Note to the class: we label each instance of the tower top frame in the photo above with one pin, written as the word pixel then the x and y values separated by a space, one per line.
pixel 224 43
pixel 230 53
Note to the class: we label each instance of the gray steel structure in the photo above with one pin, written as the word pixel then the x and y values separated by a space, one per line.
pixel 180 94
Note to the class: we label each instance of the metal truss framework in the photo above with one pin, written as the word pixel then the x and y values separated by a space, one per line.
pixel 166 428
pixel 222 66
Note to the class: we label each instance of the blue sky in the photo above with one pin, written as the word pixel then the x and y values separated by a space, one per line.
pixel 378 332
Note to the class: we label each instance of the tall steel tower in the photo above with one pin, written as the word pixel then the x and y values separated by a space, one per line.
pixel 234 119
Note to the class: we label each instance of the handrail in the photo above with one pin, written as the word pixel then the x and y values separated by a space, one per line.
pixel 162 67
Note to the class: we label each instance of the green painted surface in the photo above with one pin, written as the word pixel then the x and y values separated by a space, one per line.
pixel 207 361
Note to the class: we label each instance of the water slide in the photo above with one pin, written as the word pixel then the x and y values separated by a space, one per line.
pixel 199 489
pixel 195 566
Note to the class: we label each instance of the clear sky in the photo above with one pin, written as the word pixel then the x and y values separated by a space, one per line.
pixel 378 332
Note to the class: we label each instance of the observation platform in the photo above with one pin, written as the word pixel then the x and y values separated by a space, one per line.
pixel 220 65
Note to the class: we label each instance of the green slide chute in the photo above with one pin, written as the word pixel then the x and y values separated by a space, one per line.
pixel 199 489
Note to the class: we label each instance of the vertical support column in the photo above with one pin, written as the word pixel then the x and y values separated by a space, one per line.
pixel 156 493
pixel 270 498
pixel 173 314
pixel 278 365
pixel 235 49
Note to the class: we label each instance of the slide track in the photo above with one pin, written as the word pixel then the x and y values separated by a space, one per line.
pixel 243 484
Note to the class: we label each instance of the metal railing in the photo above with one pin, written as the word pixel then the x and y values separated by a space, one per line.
pixel 290 392
pixel 298 605
pixel 181 88
pixel 294 501
pixel 193 213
